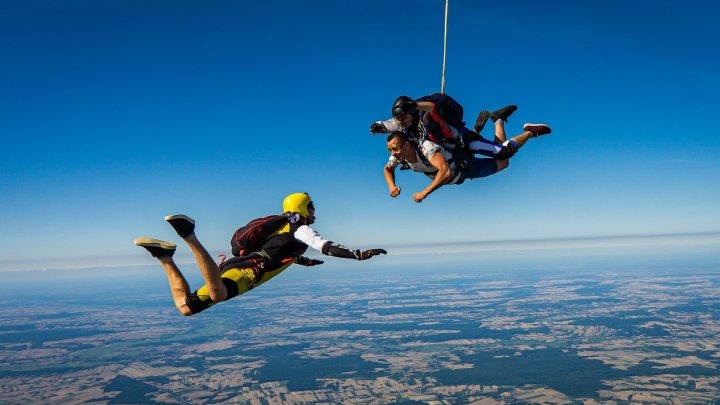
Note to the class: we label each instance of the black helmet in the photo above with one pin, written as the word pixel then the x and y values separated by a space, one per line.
pixel 402 105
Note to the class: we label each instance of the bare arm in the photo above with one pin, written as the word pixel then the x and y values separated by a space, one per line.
pixel 443 175
pixel 389 172
pixel 426 106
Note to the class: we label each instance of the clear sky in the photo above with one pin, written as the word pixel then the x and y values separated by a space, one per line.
pixel 116 113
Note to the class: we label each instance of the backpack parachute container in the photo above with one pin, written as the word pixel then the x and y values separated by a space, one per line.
pixel 448 109
pixel 251 237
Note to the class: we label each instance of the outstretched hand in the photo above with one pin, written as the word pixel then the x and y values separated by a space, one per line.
pixel 395 191
pixel 366 254
pixel 309 262
pixel 375 127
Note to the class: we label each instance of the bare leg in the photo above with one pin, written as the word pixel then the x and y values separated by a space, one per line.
pixel 500 131
pixel 209 269
pixel 522 138
pixel 178 285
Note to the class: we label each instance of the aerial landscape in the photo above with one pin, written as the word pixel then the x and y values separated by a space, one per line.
pixel 551 234
pixel 512 332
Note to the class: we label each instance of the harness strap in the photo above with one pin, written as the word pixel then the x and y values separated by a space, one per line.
pixel 455 156
pixel 260 269
pixel 421 155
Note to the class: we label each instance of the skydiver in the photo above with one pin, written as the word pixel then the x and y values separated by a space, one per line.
pixel 282 248
pixel 439 118
pixel 440 165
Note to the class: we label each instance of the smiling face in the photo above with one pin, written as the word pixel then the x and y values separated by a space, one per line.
pixel 396 146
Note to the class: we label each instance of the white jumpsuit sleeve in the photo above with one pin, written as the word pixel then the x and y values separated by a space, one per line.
pixel 390 125
pixel 310 237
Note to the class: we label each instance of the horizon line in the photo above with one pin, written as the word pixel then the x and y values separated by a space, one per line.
pixel 568 238
pixel 453 247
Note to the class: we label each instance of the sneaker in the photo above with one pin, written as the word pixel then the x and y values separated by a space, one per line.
pixel 182 224
pixel 481 120
pixel 158 248
pixel 503 113
pixel 537 129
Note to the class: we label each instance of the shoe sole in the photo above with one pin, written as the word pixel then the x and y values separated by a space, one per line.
pixel 481 121
pixel 179 216
pixel 511 107
pixel 150 242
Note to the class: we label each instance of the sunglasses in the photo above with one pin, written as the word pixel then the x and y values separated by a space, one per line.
pixel 395 148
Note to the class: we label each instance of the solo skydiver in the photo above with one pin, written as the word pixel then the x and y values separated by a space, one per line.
pixel 273 254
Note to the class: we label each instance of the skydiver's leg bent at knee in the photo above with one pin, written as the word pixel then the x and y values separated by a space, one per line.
pixel 506 149
pixel 500 136
pixel 179 288
pixel 178 285
pixel 185 228
pixel 218 287
pixel 500 147
pixel 236 281
pixel 209 269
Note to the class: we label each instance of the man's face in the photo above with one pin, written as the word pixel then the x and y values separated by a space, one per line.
pixel 395 147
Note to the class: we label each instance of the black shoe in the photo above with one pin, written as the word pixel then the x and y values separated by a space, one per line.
pixel 158 248
pixel 503 113
pixel 481 120
pixel 182 224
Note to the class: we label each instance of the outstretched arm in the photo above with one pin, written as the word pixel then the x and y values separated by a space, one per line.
pixel 389 172
pixel 311 238
pixel 426 106
pixel 338 250
pixel 385 127
pixel 443 175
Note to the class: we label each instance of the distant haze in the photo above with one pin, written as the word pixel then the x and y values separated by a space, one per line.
pixel 600 246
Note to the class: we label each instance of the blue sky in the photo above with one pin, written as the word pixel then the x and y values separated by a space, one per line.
pixel 115 113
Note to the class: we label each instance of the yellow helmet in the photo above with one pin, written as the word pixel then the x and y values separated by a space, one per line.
pixel 298 203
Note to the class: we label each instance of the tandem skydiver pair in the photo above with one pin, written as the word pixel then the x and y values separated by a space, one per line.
pixel 428 135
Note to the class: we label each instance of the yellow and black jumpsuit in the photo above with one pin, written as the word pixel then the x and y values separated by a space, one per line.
pixel 283 248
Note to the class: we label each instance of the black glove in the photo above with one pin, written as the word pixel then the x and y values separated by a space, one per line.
pixel 376 127
pixel 364 255
pixel 304 261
